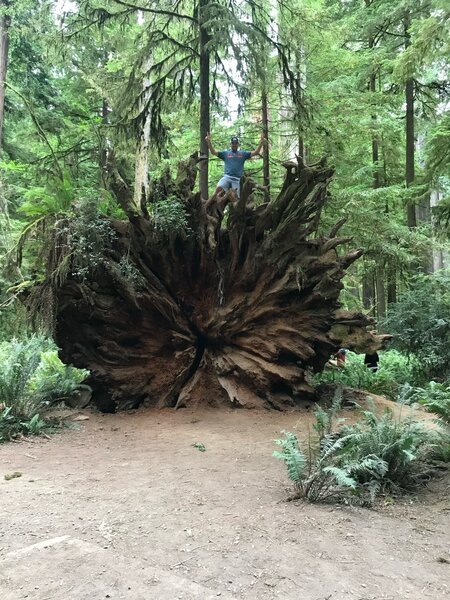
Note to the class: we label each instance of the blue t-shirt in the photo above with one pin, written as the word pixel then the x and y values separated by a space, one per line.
pixel 234 161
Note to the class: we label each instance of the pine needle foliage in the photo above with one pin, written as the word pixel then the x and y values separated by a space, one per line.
pixel 420 323
pixel 170 34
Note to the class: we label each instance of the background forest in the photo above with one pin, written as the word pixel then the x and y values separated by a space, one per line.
pixel 90 84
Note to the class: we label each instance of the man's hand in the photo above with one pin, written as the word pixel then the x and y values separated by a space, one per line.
pixel 210 146
pixel 262 143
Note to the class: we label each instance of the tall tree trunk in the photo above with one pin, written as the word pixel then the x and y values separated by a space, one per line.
pixel 391 285
pixel 204 96
pixel 141 170
pixel 391 271
pixel 103 158
pixel 409 130
pixel 381 293
pixel 5 21
pixel 369 293
pixel 373 284
pixel 376 183
pixel 375 158
pixel 375 144
pixel 265 125
pixel 301 75
pixel 438 257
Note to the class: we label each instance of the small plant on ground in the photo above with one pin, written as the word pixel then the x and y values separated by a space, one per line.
pixel 200 447
pixel 358 462
pixel 32 378
pixel 404 446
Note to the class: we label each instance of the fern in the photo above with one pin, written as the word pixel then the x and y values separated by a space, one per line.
pixel 292 456
pixel 34 426
pixel 395 370
pixel 31 377
pixel 54 380
pixel 357 463
pixel 400 445
pixel 341 476
pixel 19 360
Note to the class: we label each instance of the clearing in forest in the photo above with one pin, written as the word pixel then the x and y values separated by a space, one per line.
pixel 181 505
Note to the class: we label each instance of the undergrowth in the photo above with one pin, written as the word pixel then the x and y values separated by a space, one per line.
pixel 435 398
pixel 394 371
pixel 32 378
pixel 357 463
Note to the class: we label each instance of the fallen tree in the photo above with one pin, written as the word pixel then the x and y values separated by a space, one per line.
pixel 238 305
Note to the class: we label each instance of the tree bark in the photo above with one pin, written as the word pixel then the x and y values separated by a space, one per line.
pixel 141 168
pixel 368 292
pixel 103 155
pixel 204 95
pixel 376 183
pixel 238 311
pixel 391 285
pixel 381 293
pixel 5 22
pixel 265 130
pixel 375 153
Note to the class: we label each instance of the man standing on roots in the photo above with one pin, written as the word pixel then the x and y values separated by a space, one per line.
pixel 234 160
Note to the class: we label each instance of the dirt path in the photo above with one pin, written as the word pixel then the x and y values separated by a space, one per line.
pixel 126 507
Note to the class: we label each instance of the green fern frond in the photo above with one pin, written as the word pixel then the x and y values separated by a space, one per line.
pixel 292 456
pixel 341 476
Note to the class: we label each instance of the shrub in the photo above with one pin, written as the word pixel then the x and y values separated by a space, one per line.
pixel 435 397
pixel 87 236
pixel 357 463
pixel 31 378
pixel 53 380
pixel 18 362
pixel 395 369
pixel 170 216
pixel 403 445
pixel 420 323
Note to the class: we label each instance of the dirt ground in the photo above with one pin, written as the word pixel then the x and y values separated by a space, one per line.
pixel 126 507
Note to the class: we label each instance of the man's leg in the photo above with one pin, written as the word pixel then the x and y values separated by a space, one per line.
pixel 236 186
pixel 223 185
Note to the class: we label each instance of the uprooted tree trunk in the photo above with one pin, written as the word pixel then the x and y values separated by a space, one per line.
pixel 238 306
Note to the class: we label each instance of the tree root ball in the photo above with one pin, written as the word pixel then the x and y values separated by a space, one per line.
pixel 237 304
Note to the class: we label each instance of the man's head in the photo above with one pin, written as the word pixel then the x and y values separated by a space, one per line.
pixel 234 143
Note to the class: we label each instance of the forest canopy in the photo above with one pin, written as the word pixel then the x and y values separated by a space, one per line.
pixel 100 101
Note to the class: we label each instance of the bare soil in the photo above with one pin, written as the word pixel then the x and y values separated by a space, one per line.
pixel 126 506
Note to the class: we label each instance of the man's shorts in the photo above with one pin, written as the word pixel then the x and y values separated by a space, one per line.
pixel 228 182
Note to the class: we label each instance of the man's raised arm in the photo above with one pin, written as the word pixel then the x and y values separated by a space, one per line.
pixel 257 152
pixel 210 146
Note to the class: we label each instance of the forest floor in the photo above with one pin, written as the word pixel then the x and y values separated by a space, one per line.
pixel 125 506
